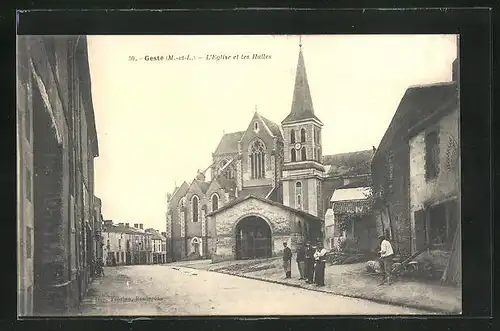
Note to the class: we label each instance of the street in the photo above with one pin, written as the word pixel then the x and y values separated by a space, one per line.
pixel 148 290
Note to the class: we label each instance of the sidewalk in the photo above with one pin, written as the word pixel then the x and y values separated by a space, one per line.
pixel 352 281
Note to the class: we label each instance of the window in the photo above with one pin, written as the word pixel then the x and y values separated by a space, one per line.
pixel 28 242
pixel 195 209
pixel 436 225
pixel 303 135
pixel 294 155
pixel 298 194
pixel 303 153
pixel 431 155
pixel 314 153
pixel 215 202
pixel 292 136
pixel 28 185
pixel 257 159
pixel 119 244
pixel 256 126
pixel 108 245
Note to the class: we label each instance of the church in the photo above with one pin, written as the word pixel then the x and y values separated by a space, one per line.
pixel 269 184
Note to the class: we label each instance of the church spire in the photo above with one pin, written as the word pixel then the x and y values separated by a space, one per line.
pixel 302 106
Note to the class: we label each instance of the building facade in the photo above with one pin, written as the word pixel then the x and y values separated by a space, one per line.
pixel 124 244
pixel 435 183
pixel 269 184
pixel 408 168
pixel 98 223
pixel 56 147
pixel 158 246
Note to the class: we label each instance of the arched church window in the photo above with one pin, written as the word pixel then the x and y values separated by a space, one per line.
pixel 195 209
pixel 292 136
pixel 215 202
pixel 298 194
pixel 294 155
pixel 257 159
pixel 303 135
pixel 303 153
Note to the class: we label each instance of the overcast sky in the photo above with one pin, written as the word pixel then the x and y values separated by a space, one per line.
pixel 159 121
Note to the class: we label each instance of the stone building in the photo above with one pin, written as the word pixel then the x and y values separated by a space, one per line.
pixel 124 244
pixel 158 246
pixel 97 226
pixel 56 147
pixel 435 182
pixel 269 184
pixel 396 156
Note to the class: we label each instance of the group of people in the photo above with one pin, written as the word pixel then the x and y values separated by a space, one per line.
pixel 311 262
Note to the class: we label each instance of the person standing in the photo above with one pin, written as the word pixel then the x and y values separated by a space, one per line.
pixel 301 259
pixel 287 260
pixel 319 273
pixel 309 263
pixel 386 255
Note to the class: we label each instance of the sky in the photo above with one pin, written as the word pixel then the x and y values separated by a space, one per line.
pixel 158 122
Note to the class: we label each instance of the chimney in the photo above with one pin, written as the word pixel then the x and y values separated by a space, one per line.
pixel 126 225
pixel 108 223
pixel 120 224
pixel 140 226
pixel 455 73
pixel 136 225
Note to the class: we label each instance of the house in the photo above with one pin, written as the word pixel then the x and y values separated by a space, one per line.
pixel 350 217
pixel 269 184
pixel 124 244
pixel 56 147
pixel 412 170
pixel 158 246
pixel 435 181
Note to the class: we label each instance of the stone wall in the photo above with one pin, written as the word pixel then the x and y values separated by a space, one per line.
pixel 284 225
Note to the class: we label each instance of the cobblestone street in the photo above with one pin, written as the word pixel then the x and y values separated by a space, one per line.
pixel 171 290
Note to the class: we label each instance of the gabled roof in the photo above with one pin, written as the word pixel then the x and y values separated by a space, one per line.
pixel 273 203
pixel 302 105
pixel 418 102
pixel 203 186
pixel 179 193
pixel 229 143
pixel 273 127
pixel 258 191
pixel 348 164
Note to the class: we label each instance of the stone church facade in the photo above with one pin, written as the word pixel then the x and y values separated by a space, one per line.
pixel 269 184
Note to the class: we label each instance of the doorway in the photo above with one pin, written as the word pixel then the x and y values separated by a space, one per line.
pixel 253 238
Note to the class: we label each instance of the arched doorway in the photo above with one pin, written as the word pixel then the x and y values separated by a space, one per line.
pixel 253 238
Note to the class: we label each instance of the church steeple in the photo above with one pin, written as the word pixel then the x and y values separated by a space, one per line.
pixel 302 105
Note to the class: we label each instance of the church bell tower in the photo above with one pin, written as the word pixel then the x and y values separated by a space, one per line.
pixel 302 169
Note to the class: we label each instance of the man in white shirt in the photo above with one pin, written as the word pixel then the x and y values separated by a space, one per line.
pixel 386 255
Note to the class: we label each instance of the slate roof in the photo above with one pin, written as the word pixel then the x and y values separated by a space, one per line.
pixel 155 235
pixel 227 184
pixel 302 106
pixel 348 164
pixel 179 193
pixel 203 185
pixel 426 99
pixel 229 143
pixel 274 203
pixel 273 127
pixel 258 191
